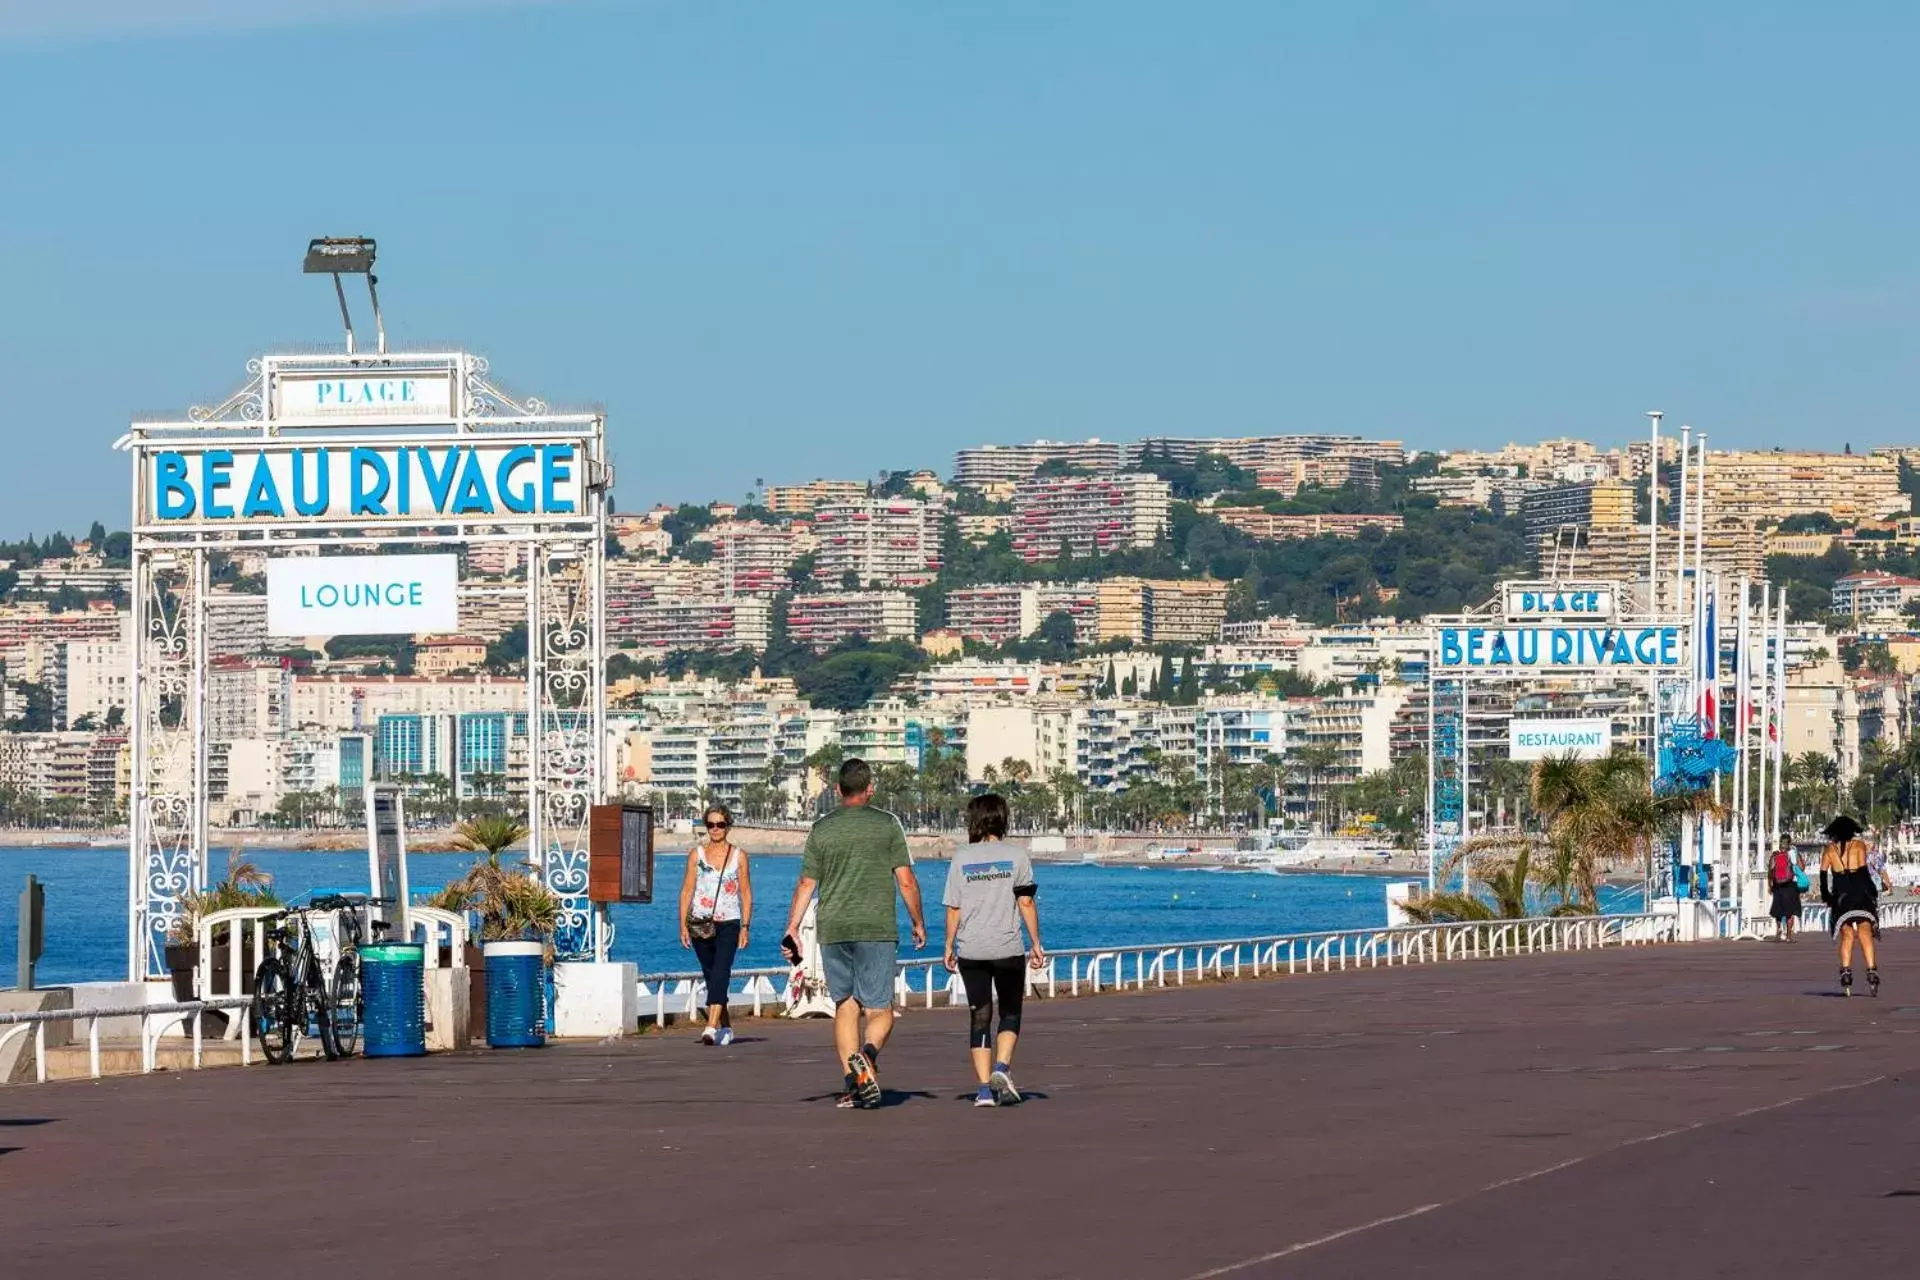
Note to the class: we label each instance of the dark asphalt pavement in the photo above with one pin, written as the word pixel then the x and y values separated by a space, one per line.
pixel 1677 1111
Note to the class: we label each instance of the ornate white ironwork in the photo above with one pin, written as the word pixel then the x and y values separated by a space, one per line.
pixel 168 850
pixel 567 668
pixel 565 612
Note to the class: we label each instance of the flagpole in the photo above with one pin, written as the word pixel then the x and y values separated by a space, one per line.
pixel 1680 555
pixel 1700 509
pixel 1780 704
pixel 1762 698
pixel 1653 516
pixel 1742 828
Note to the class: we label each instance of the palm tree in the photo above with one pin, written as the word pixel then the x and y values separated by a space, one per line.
pixel 1603 809
pixel 1506 880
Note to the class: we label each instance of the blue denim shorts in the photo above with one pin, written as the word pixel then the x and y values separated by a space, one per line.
pixel 860 971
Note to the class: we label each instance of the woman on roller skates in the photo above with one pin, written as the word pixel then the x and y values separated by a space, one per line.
pixel 1853 899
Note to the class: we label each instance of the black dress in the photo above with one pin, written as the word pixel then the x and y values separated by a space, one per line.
pixel 1851 898
pixel 1786 899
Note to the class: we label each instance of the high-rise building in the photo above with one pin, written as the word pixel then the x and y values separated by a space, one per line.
pixel 710 623
pixel 995 613
pixel 751 556
pixel 90 679
pixel 882 542
pixel 1088 515
pixel 1597 504
pixel 823 621
pixel 1175 611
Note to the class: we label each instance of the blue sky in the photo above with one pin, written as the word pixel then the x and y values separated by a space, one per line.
pixel 784 240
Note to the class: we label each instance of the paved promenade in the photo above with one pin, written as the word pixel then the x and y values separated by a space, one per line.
pixel 1698 1111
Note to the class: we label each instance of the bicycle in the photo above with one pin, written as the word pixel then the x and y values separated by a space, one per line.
pixel 312 977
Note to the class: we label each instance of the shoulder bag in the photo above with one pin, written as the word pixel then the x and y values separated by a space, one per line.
pixel 704 927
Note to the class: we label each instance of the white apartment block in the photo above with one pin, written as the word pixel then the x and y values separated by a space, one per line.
pixel 1456 490
pixel 1359 727
pixel 1001 463
pixel 249 698
pixel 236 625
pixel 884 542
pixel 995 613
pixel 356 703
pixel 1874 594
pixel 1088 515
pixel 1040 734
pixel 753 558
pixel 823 621
pixel 975 679
pixel 91 677
pixel 703 623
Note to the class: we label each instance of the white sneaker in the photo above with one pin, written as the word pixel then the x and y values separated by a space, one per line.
pixel 706 1036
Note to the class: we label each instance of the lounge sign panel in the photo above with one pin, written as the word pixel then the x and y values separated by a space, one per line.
pixel 200 486
pixel 362 595
pixel 1548 648
pixel 1538 739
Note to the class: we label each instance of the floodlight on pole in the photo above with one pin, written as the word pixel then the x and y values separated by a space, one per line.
pixel 338 256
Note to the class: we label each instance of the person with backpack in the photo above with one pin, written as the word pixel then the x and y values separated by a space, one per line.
pixel 1787 878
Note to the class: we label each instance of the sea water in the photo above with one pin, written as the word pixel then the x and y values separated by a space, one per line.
pixel 1081 905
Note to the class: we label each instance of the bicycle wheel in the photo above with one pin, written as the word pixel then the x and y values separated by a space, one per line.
pixel 340 1015
pixel 271 1013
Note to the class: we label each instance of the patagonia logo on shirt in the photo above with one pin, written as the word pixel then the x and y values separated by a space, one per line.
pixel 984 872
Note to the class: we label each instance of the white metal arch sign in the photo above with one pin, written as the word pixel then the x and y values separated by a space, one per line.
pixel 328 466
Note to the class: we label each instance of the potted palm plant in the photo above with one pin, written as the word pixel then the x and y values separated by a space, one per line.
pixel 518 916
pixel 245 885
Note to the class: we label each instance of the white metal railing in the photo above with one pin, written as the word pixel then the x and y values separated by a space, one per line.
pixel 1736 922
pixel 155 1019
pixel 1157 964
pixel 429 925
pixel 245 948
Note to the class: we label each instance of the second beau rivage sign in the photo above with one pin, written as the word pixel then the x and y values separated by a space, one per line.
pixel 362 484
pixel 1557 648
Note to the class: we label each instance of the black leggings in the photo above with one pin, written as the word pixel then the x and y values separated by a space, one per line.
pixel 984 979
pixel 716 959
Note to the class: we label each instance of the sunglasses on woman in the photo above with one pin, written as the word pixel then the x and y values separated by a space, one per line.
pixel 718 826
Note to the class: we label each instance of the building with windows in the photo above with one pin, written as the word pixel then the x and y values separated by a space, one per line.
pixel 90 681
pixel 1000 463
pixel 436 656
pixel 1874 594
pixel 1596 504
pixel 753 557
pixel 251 697
pixel 823 621
pixel 1173 611
pixel 1086 516
pixel 995 613
pixel 356 703
pixel 1764 486
pixel 712 624
pixel 237 625
pixel 883 542
pixel 798 499
pixel 1268 527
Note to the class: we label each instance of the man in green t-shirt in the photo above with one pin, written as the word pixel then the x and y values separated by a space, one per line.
pixel 856 858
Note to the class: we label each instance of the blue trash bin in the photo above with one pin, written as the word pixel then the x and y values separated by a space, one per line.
pixel 516 994
pixel 393 985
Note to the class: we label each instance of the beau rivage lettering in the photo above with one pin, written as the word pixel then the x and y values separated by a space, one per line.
pixel 1498 647
pixel 320 482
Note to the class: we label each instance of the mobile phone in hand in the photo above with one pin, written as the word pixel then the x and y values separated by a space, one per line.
pixel 790 948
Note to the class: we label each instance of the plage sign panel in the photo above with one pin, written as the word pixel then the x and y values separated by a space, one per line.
pixel 1538 739
pixel 307 399
pixel 362 595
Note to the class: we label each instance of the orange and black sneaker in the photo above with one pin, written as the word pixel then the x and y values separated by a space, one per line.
pixel 866 1081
